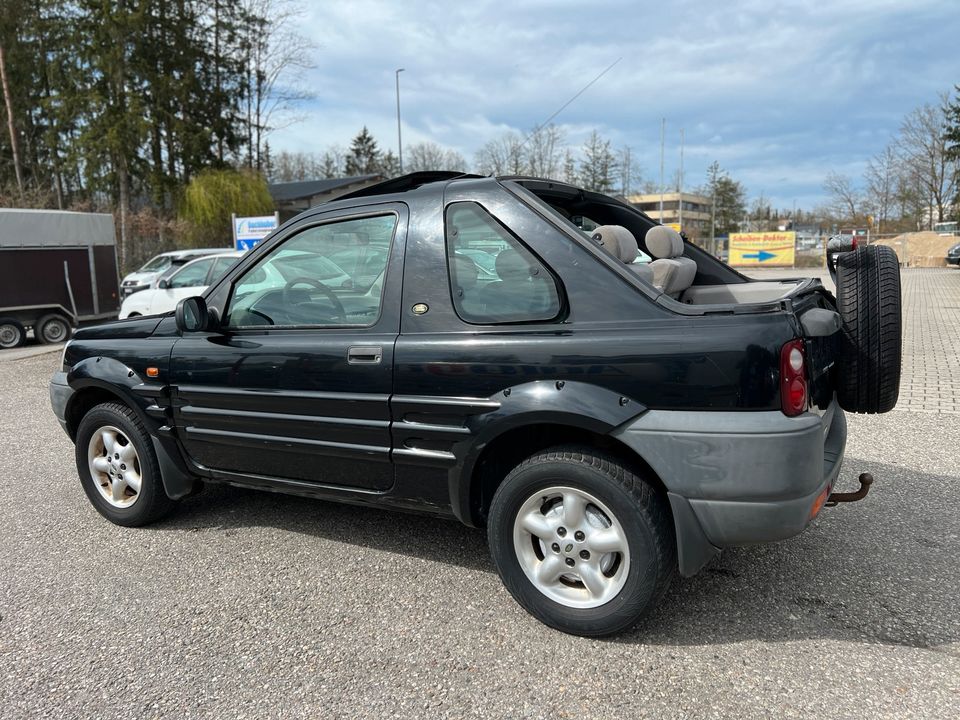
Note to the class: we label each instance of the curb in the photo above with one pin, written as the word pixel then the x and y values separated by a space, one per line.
pixel 28 352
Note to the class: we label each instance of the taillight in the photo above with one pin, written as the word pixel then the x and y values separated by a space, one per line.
pixel 793 378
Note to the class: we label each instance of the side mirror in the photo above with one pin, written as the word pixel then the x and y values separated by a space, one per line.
pixel 192 315
pixel 163 284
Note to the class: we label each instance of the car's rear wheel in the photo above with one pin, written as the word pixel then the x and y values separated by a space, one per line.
pixel 52 329
pixel 581 542
pixel 12 333
pixel 868 299
pixel 118 467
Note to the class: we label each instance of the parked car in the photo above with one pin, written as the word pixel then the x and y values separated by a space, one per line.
pixel 178 282
pixel 953 255
pixel 143 278
pixel 609 423
pixel 57 269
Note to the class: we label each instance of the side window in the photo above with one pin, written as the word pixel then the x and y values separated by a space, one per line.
pixel 192 275
pixel 327 275
pixel 494 278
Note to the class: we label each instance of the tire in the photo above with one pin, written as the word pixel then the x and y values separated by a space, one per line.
pixel 626 582
pixel 114 498
pixel 52 329
pixel 12 333
pixel 868 296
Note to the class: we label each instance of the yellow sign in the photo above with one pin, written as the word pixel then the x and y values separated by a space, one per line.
pixel 675 226
pixel 764 249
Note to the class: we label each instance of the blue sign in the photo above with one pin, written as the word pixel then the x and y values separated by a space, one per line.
pixel 248 231
pixel 246 244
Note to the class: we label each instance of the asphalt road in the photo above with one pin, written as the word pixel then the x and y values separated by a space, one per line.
pixel 254 605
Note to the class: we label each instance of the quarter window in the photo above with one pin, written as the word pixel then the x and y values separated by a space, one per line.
pixel 494 278
pixel 326 275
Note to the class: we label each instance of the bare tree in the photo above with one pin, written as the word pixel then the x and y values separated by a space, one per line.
pixel 430 156
pixel 276 55
pixel 332 162
pixel 630 172
pixel 502 156
pixel 543 151
pixel 845 199
pixel 922 145
pixel 569 168
pixel 294 166
pixel 881 176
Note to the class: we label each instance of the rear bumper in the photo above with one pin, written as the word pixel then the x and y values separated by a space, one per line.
pixel 953 260
pixel 739 478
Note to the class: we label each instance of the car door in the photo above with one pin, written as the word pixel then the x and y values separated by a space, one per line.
pixel 188 281
pixel 295 387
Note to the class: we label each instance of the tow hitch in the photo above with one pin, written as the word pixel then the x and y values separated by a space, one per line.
pixel 866 480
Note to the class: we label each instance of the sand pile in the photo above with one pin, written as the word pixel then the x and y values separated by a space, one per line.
pixel 921 249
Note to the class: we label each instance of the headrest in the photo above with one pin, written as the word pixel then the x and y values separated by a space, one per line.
pixel 618 240
pixel 663 242
pixel 511 265
pixel 465 272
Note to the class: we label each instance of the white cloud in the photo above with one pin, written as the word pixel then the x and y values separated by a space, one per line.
pixel 778 93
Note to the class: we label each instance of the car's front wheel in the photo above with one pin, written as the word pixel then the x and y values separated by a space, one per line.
pixel 118 467
pixel 581 542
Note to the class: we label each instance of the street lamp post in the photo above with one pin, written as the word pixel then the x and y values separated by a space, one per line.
pixel 399 138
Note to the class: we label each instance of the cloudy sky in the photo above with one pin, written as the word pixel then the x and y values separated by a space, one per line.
pixel 778 92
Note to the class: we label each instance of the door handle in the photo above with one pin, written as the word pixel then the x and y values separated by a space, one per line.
pixel 364 355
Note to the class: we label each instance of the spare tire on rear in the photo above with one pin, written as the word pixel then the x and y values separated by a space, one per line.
pixel 868 295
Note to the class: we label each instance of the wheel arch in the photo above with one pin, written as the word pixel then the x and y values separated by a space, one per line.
pixel 511 446
pixel 114 382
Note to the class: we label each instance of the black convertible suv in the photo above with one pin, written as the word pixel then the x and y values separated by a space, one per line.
pixel 492 350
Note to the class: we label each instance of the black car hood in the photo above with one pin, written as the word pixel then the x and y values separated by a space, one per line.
pixel 138 327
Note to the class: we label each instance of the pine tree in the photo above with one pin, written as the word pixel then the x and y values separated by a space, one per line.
pixel 599 164
pixel 729 200
pixel 364 157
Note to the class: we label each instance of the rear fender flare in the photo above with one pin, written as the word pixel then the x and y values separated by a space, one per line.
pixel 544 402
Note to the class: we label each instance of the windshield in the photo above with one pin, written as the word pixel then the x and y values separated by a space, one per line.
pixel 160 262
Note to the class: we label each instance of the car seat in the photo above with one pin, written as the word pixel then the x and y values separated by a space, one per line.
pixel 621 242
pixel 672 272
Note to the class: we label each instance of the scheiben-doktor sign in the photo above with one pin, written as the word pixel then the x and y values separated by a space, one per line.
pixel 762 249
pixel 248 231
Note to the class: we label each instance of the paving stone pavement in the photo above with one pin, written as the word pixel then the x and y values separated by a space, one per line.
pixel 930 381
pixel 931 340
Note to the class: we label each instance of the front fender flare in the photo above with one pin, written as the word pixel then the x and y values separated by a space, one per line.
pixel 121 381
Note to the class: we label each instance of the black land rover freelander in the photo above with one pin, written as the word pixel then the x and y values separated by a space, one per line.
pixel 489 349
